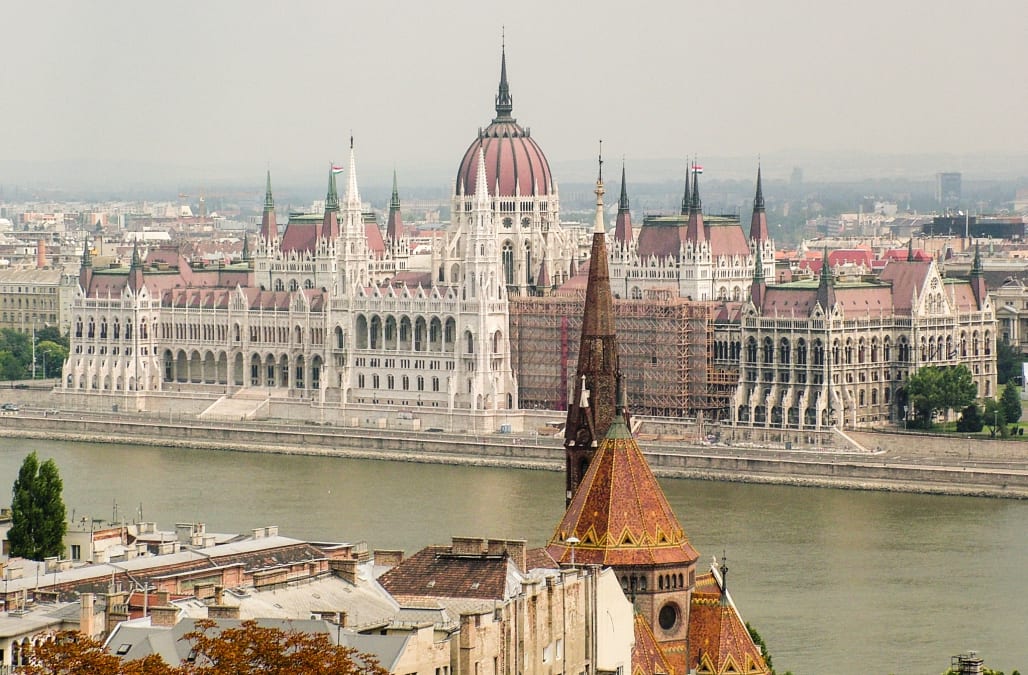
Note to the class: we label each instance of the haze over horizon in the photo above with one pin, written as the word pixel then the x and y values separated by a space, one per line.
pixel 229 88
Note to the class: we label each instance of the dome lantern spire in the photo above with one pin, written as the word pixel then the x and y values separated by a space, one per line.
pixel 504 101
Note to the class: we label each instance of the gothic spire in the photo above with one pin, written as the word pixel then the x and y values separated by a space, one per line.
pixel 269 227
pixel 686 197
pixel 978 286
pixel 353 195
pixel 758 223
pixel 591 411
pixel 394 227
pixel 695 230
pixel 504 101
pixel 826 284
pixel 759 286
pixel 87 255
pixel 332 196
pixel 623 226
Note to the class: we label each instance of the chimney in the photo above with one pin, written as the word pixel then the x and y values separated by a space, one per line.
pixel 87 618
pixel 162 598
pixel 41 254
pixel 517 549
pixel 388 558
pixel 164 616
pixel 468 546
pixel 344 569
pixel 223 612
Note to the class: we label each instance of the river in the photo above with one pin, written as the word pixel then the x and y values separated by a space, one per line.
pixel 836 581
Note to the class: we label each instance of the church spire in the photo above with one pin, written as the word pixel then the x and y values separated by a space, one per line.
pixel 758 223
pixel 269 227
pixel 623 226
pixel 86 268
pixel 826 284
pixel 135 278
pixel 695 230
pixel 394 227
pixel 686 197
pixel 504 101
pixel 592 409
pixel 978 278
pixel 332 195
pixel 759 286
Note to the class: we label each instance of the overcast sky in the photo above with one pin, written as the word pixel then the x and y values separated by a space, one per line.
pixel 262 83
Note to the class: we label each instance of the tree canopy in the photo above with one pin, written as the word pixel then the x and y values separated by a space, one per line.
pixel 37 511
pixel 1010 402
pixel 247 649
pixel 938 389
pixel 16 353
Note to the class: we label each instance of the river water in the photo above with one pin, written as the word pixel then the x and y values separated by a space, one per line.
pixel 836 581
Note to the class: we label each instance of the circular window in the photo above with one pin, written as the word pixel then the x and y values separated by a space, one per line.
pixel 668 616
pixel 507 222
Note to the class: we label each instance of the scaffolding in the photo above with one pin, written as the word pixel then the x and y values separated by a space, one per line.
pixel 666 354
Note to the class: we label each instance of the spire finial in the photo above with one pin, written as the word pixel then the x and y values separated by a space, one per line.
pixel 394 200
pixel 332 196
pixel 724 576
pixel 623 201
pixel 598 227
pixel 697 205
pixel 686 197
pixel 269 201
pixel 504 101
pixel 976 267
pixel 758 200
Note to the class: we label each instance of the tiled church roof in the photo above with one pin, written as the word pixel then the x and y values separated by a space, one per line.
pixel 619 513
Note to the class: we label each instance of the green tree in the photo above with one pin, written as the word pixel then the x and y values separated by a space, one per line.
pixel 52 357
pixel 52 334
pixel 995 418
pixel 971 419
pixel 1008 362
pixel 934 389
pixel 37 511
pixel 1010 401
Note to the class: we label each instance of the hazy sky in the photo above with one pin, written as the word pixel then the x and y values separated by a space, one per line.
pixel 259 82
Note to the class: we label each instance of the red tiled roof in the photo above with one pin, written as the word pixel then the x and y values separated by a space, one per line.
pixel 647 657
pixel 719 642
pixel 728 240
pixel 374 236
pixel 619 513
pixel 300 236
pixel 660 241
pixel 906 278
pixel 436 572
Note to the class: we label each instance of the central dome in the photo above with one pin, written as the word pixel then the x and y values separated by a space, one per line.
pixel 514 162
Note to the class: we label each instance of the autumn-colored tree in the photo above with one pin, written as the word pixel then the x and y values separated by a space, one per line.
pixel 251 649
pixel 248 649
pixel 70 653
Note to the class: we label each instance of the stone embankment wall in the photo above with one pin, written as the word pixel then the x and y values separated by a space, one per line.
pixel 826 469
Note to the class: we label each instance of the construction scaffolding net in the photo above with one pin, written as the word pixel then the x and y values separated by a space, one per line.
pixel 665 347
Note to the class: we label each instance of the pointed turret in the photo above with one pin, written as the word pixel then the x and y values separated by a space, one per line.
pixel 623 226
pixel 592 407
pixel 394 228
pixel 910 249
pixel 758 289
pixel 695 231
pixel 86 268
pixel 330 222
pixel 353 195
pixel 246 249
pixel 686 197
pixel 269 227
pixel 504 101
pixel 826 285
pixel 758 223
pixel 135 278
pixel 978 279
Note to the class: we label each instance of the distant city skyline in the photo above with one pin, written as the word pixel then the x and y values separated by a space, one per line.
pixel 230 88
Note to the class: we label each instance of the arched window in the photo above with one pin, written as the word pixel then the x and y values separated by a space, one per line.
pixel 751 350
pixel 769 351
pixel 801 352
pixel 507 256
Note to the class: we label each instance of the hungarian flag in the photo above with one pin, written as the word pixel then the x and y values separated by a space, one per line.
pixel 696 168
pixel 336 168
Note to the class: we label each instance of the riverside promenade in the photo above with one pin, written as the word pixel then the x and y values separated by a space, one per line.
pixel 894 461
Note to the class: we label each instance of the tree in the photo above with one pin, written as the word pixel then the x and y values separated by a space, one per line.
pixel 52 356
pixel 971 419
pixel 1010 402
pixel 995 418
pixel 247 649
pixel 251 648
pixel 1008 362
pixel 37 511
pixel 934 389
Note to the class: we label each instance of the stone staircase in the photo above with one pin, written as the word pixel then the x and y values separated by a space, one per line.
pixel 249 403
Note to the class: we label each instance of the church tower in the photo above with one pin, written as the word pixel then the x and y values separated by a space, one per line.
pixel 592 407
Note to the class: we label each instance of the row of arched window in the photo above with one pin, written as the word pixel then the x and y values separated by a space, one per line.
pixel 116 330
